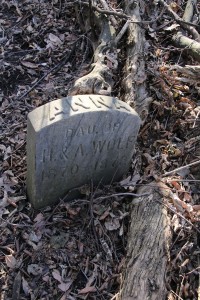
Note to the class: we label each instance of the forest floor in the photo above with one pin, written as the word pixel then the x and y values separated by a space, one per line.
pixel 77 250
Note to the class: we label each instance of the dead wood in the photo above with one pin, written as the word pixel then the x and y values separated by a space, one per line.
pixel 185 24
pixel 180 40
pixel 100 79
pixel 134 82
pixel 148 249
pixel 189 45
pixel 144 276
pixel 189 10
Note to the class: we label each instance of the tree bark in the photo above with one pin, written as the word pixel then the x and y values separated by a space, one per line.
pixel 100 79
pixel 134 82
pixel 148 249
pixel 144 276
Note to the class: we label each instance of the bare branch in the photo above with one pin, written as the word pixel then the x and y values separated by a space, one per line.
pixel 186 25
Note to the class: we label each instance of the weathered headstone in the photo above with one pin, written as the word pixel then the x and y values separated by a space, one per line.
pixel 78 140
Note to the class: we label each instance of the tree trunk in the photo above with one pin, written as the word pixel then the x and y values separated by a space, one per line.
pixel 148 249
pixel 144 276
pixel 134 82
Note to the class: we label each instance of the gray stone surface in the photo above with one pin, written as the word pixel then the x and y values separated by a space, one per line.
pixel 77 140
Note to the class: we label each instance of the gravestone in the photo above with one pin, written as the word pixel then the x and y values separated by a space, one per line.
pixel 75 141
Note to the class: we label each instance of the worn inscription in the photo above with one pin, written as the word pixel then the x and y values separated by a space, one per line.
pixel 69 155
pixel 91 129
pixel 87 104
pixel 74 140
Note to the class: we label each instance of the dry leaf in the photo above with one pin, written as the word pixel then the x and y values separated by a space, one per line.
pixel 88 289
pixel 11 261
pixel 29 64
pixel 25 286
pixel 113 224
pixel 53 38
pixel 34 269
pixel 39 218
pixel 56 275
pixel 64 286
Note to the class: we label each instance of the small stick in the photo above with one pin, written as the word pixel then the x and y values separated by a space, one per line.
pixel 112 18
pixel 186 25
pixel 122 32
pixel 121 194
pixel 178 214
pixel 181 168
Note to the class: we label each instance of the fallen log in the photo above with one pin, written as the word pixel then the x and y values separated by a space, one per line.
pixel 149 233
pixel 134 82
pixel 148 248
pixel 144 275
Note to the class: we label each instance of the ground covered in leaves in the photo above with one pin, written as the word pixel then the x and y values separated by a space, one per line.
pixel 77 250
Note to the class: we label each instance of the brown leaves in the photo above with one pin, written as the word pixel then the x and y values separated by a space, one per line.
pixel 64 284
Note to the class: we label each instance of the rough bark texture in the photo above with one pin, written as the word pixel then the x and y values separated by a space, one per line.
pixel 134 82
pixel 144 276
pixel 148 246
pixel 100 79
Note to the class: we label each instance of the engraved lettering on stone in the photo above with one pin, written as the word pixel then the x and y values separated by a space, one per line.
pixel 119 106
pixel 79 151
pixel 120 144
pixel 73 107
pixel 54 111
pixel 101 165
pixel 47 155
pixel 74 140
pixel 69 132
pixel 80 102
pixel 98 146
pixel 80 131
pixel 102 101
pixel 95 103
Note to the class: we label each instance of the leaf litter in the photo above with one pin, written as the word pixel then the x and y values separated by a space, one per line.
pixel 67 252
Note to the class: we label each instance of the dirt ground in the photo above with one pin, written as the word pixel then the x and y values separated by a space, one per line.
pixel 77 250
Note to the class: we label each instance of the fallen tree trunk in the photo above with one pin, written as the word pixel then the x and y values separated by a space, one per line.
pixel 144 275
pixel 148 249
pixel 134 82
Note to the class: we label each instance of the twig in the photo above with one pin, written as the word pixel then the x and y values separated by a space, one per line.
pixel 13 224
pixel 122 32
pixel 112 18
pixel 186 25
pixel 93 228
pixel 104 11
pixel 181 168
pixel 55 69
pixel 183 180
pixel 121 194
pixel 178 214
pixel 119 14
